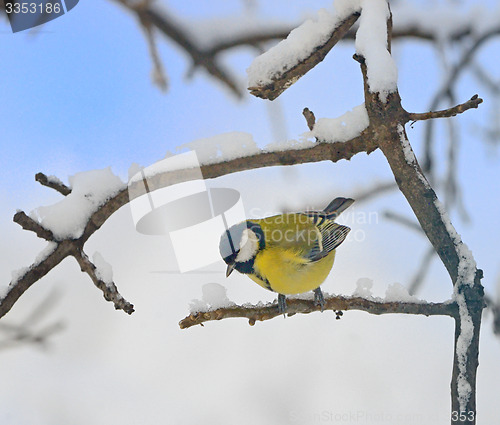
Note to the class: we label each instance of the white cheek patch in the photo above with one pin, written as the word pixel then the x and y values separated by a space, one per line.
pixel 249 245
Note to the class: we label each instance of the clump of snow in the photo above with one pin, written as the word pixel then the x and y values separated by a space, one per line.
pixel 343 128
pixel 299 44
pixel 223 147
pixel 463 342
pixel 363 288
pixel 89 190
pixel 214 296
pixel 19 273
pixel 134 169
pixel 55 180
pixel 103 270
pixel 303 143
pixel 410 155
pixel 371 43
pixel 407 150
pixel 466 273
pixel 171 162
pixel 467 265
pixel 398 293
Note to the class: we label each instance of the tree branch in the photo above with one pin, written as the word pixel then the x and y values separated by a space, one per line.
pixel 27 223
pixel 33 274
pixel 473 102
pixel 319 152
pixel 168 27
pixel 108 289
pixel 285 78
pixel 310 118
pixel 401 219
pixel 53 183
pixel 388 119
pixel 421 271
pixel 334 303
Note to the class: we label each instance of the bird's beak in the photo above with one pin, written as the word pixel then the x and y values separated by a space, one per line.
pixel 230 268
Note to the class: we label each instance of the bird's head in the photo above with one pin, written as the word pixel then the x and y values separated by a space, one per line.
pixel 239 246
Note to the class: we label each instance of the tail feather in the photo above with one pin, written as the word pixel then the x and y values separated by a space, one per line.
pixel 337 206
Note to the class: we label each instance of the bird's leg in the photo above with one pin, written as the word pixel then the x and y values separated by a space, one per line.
pixel 281 304
pixel 318 298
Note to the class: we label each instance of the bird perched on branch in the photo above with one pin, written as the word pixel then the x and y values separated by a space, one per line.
pixel 289 253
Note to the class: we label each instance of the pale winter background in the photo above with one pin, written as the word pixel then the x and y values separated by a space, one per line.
pixel 76 96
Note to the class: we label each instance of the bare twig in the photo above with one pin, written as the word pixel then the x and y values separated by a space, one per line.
pixel 405 221
pixel 249 39
pixel 171 29
pixel 421 271
pixel 27 223
pixel 310 118
pixel 374 191
pixel 28 330
pixel 447 88
pixel 158 73
pixel 473 102
pixel 334 303
pixel 19 334
pixel 108 289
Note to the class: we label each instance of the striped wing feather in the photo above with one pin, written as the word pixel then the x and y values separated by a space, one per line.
pixel 332 235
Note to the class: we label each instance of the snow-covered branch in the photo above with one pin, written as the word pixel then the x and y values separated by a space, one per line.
pixel 53 182
pixel 387 117
pixel 95 196
pixel 336 304
pixel 306 46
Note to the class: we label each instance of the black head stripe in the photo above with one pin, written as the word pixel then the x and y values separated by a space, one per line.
pixel 254 227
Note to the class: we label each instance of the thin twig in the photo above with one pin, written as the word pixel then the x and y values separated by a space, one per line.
pixel 158 74
pixel 53 184
pixel 310 118
pixel 27 223
pixel 374 191
pixel 175 32
pixel 473 102
pixel 405 221
pixel 421 271
pixel 108 289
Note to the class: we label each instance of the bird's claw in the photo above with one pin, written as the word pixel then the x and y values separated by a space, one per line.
pixel 319 299
pixel 282 304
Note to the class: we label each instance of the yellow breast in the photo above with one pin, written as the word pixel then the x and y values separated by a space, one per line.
pixel 289 273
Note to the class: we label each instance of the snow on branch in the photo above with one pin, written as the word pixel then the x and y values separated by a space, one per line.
pixel 379 124
pixel 96 195
pixel 102 278
pixel 372 43
pixel 274 71
pixel 337 304
pixel 53 182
